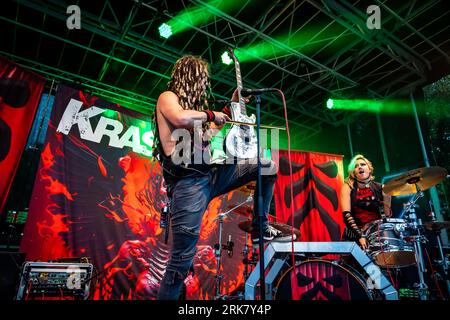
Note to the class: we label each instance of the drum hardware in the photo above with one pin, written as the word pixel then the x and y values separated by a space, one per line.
pixel 416 226
pixel 277 253
pixel 245 261
pixel 249 262
pixel 436 227
pixel 218 247
pixel 415 182
pixel 285 229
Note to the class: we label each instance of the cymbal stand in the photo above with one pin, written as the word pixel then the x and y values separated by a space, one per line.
pixel 251 261
pixel 416 226
pixel 218 248
pixel 245 252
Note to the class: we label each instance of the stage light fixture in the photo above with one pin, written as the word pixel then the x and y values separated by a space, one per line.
pixel 165 30
pixel 330 103
pixel 226 58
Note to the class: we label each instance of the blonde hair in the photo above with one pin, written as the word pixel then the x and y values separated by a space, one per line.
pixel 351 169
pixel 190 81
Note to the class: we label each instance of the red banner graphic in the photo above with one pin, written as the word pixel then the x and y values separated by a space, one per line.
pixel 98 194
pixel 20 91
pixel 317 179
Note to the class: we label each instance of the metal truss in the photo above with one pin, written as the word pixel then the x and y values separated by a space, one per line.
pixel 120 57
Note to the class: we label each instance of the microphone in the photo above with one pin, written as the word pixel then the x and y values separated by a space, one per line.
pixel 249 92
pixel 230 245
pixel 249 199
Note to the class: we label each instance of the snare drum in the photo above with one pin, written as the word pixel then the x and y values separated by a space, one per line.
pixel 321 280
pixel 387 244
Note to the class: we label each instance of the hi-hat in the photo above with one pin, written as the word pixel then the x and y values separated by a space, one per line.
pixel 437 225
pixel 414 180
pixel 284 228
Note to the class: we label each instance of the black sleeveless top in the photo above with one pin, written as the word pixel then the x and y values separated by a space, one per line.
pixel 366 202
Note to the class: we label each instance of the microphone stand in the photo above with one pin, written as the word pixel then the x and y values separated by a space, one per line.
pixel 262 282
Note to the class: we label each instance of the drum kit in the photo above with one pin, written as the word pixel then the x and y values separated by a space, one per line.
pixel 250 252
pixel 393 243
pixel 398 243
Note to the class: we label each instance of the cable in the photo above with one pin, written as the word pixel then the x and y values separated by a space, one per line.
pixel 432 274
pixel 291 180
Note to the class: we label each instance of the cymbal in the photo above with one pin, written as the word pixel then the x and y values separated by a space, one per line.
pixel 246 226
pixel 437 225
pixel 411 181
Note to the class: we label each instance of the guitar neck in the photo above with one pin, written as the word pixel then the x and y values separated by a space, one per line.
pixel 239 82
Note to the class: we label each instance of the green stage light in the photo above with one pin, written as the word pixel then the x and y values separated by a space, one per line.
pixel 307 41
pixel 330 103
pixel 165 30
pixel 194 16
pixel 226 58
pixel 386 106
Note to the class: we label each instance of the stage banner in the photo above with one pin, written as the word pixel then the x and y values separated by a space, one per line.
pixel 317 179
pixel 20 91
pixel 98 194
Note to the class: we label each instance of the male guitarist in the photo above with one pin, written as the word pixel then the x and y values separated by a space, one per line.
pixel 192 184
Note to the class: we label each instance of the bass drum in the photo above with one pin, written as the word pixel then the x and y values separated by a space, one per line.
pixel 321 280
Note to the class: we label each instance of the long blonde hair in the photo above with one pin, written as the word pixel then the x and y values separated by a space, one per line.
pixel 351 168
pixel 190 81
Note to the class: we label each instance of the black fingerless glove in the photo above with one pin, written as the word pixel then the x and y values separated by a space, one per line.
pixel 351 224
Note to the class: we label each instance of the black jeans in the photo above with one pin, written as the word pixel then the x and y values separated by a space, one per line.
pixel 190 198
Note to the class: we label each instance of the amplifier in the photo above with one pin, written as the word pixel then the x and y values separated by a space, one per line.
pixel 52 280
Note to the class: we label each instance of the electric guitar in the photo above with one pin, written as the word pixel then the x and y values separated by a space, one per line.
pixel 240 141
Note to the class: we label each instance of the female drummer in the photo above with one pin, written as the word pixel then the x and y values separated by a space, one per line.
pixel 362 200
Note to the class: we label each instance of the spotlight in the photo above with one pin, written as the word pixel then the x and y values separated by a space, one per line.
pixel 330 103
pixel 165 30
pixel 226 58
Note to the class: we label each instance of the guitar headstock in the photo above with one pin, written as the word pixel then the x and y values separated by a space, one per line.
pixel 238 77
